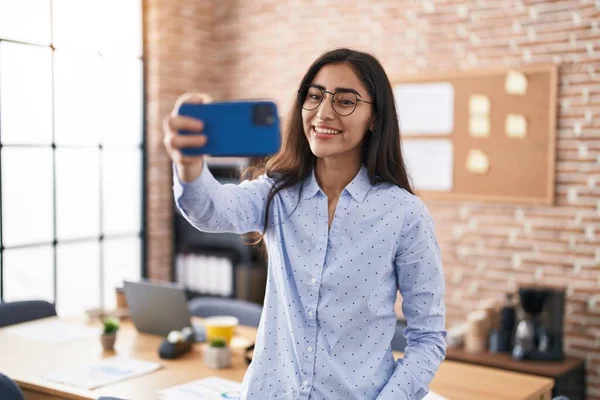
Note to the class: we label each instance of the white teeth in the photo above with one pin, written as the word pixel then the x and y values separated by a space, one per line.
pixel 327 131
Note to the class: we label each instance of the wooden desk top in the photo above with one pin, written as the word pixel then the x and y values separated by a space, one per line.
pixel 25 361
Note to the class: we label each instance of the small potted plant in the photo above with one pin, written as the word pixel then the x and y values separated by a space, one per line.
pixel 109 334
pixel 217 354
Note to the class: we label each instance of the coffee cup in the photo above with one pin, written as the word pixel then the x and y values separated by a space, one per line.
pixel 221 326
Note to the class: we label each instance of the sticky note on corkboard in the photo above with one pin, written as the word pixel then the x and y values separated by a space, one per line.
pixel 479 125
pixel 515 83
pixel 478 162
pixel 479 104
pixel 516 126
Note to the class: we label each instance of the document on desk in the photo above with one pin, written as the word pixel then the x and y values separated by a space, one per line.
pixel 52 331
pixel 102 373
pixel 433 396
pixel 213 388
pixel 219 389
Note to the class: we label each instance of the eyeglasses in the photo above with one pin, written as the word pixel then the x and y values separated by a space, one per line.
pixel 344 102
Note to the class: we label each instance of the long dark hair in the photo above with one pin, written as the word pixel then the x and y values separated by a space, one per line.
pixel 381 150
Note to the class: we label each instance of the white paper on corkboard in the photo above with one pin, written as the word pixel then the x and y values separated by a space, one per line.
pixel 430 163
pixel 425 108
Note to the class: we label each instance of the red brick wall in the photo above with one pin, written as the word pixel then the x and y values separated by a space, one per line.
pixel 180 54
pixel 248 48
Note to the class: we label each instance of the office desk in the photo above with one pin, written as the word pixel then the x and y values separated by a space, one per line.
pixel 25 361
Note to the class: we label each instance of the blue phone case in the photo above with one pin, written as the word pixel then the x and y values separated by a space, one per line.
pixel 236 128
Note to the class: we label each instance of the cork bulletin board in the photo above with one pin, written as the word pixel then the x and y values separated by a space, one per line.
pixel 481 135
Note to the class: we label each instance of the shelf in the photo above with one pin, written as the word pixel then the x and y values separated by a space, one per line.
pixel 551 369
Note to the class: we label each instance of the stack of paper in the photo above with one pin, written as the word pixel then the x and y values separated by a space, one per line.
pixel 213 388
pixel 102 373
pixel 52 331
pixel 433 396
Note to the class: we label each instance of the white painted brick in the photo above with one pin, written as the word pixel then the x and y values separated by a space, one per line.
pixel 516 260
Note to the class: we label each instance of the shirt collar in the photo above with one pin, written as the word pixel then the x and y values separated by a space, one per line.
pixel 358 187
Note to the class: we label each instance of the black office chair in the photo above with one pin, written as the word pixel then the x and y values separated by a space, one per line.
pixel 16 312
pixel 399 341
pixel 9 390
pixel 246 312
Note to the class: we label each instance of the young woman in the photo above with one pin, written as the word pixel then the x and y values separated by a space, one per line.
pixel 344 232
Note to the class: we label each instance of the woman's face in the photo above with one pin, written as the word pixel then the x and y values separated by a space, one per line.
pixel 330 134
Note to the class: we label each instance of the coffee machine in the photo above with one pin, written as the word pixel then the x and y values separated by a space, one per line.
pixel 539 334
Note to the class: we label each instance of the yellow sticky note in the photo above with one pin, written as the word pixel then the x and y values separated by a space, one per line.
pixel 479 125
pixel 515 126
pixel 515 83
pixel 479 104
pixel 478 162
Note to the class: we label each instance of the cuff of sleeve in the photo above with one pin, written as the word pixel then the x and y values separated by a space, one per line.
pixel 391 391
pixel 399 386
pixel 203 182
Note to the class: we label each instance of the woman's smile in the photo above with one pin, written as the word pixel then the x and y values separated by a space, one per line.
pixel 324 132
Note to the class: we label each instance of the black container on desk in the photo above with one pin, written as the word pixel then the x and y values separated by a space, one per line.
pixel 508 318
pixel 501 340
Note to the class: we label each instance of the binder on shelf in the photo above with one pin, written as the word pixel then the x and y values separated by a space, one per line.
pixel 205 274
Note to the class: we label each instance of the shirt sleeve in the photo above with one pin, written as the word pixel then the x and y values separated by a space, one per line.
pixel 420 279
pixel 213 207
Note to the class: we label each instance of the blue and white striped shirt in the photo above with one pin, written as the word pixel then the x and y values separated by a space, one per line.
pixel 328 316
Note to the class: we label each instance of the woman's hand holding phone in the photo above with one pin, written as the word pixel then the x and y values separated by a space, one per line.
pixel 188 167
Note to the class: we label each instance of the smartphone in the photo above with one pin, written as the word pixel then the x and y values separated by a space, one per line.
pixel 235 128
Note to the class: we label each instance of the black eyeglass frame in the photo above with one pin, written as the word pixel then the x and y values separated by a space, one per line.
pixel 303 92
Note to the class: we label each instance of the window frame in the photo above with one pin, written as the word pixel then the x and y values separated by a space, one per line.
pixel 100 148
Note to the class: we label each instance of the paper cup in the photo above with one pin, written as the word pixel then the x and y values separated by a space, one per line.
pixel 220 327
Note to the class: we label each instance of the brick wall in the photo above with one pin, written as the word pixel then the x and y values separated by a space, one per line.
pixel 180 54
pixel 250 48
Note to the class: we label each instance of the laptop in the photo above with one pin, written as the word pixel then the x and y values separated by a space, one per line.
pixel 158 308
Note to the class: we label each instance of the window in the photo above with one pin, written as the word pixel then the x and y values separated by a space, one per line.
pixel 71 151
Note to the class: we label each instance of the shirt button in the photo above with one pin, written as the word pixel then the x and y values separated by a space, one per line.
pixel 313 280
pixel 309 349
pixel 310 314
pixel 305 383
